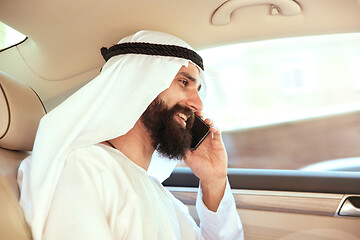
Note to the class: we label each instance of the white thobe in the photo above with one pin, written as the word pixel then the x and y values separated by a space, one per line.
pixel 101 194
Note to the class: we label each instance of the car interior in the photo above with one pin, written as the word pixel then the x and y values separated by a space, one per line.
pixel 20 117
pixel 283 194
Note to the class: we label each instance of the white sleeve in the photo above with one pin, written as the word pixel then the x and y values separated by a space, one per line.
pixel 225 223
pixel 76 211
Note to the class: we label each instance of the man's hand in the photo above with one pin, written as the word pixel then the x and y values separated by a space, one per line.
pixel 209 163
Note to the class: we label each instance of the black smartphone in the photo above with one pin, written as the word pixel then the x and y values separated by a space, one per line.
pixel 199 131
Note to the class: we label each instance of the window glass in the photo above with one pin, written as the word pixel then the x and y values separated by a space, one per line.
pixel 9 36
pixel 287 103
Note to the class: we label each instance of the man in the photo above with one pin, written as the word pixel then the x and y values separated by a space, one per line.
pixel 87 177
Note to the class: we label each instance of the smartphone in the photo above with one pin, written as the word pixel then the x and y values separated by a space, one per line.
pixel 199 132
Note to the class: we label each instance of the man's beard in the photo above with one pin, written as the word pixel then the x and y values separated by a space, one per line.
pixel 169 138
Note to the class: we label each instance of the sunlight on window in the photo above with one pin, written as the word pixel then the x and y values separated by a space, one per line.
pixel 287 103
pixel 9 36
pixel 282 80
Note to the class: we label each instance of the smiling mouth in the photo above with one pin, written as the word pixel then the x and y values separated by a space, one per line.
pixel 182 118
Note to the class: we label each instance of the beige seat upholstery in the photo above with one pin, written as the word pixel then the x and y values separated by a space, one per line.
pixel 20 113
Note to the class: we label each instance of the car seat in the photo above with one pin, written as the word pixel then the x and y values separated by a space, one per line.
pixel 20 113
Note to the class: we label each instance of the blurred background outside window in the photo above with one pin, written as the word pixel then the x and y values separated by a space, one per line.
pixel 287 103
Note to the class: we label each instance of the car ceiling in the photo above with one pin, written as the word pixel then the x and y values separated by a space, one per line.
pixel 64 37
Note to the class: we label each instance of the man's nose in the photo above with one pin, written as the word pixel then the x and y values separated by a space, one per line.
pixel 194 102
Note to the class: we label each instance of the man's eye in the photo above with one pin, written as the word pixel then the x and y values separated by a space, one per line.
pixel 184 82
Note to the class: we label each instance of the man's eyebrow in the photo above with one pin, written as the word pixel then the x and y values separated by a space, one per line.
pixel 191 78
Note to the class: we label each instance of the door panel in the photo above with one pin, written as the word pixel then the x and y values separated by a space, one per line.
pixel 287 205
pixel 290 202
pixel 285 215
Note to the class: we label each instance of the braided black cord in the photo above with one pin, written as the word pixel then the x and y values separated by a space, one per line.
pixel 152 49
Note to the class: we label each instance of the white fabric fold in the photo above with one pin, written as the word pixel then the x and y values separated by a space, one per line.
pixel 225 223
pixel 101 194
pixel 105 108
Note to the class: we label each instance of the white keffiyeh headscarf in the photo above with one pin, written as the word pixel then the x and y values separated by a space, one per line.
pixel 105 108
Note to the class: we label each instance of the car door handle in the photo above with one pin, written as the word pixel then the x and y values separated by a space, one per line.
pixel 350 207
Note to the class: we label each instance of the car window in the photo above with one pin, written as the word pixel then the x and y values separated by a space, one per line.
pixel 9 36
pixel 287 103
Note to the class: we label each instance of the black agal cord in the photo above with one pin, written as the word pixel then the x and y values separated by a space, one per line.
pixel 152 49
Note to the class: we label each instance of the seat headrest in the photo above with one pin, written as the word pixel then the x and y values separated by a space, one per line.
pixel 20 114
